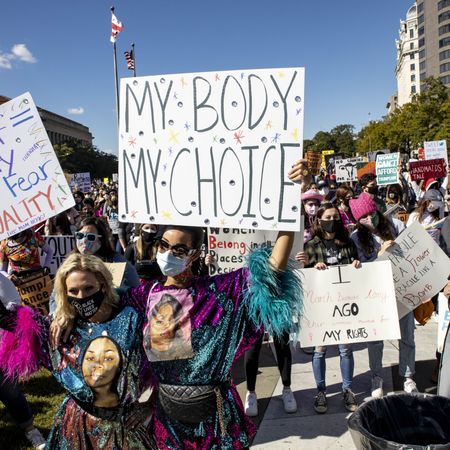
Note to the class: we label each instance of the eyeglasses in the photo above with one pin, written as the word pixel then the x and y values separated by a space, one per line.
pixel 89 236
pixel 179 250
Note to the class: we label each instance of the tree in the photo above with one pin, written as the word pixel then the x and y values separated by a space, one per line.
pixel 344 139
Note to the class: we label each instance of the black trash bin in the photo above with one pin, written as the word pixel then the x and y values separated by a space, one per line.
pixel 402 421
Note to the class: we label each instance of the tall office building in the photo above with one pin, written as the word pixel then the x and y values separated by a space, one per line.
pixel 407 68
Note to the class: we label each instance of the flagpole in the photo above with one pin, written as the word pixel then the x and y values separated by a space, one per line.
pixel 116 80
pixel 134 59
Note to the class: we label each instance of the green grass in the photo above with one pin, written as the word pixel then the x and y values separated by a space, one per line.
pixel 44 396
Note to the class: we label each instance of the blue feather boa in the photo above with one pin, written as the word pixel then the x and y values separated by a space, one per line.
pixel 274 299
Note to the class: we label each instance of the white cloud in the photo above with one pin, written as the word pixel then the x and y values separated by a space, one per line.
pixel 5 61
pixel 21 52
pixel 78 111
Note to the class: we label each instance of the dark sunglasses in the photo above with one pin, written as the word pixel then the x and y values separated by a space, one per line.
pixel 89 236
pixel 176 250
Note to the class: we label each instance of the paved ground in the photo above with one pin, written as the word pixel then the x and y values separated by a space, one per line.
pixel 308 430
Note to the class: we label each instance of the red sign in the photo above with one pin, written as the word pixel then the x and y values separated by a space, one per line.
pixel 431 168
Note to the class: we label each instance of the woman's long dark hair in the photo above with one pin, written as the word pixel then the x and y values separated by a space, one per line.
pixel 422 207
pixel 365 236
pixel 341 237
pixel 106 250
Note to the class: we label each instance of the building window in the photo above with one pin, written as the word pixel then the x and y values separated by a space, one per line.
pixel 413 89
pixel 412 67
pixel 411 55
pixel 413 77
pixel 443 4
pixel 420 19
pixel 421 31
pixel 419 7
pixel 446 79
pixel 411 33
pixel 422 76
pixel 444 16
pixel 444 42
pixel 444 55
pixel 422 65
pixel 444 29
pixel 422 54
pixel 411 45
pixel 444 67
pixel 421 42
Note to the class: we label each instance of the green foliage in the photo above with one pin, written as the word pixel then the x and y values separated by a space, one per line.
pixel 44 396
pixel 341 139
pixel 75 158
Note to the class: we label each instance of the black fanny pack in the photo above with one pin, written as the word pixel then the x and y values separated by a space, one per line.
pixel 192 404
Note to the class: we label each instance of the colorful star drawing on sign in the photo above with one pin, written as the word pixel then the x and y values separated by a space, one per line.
pixel 238 136
pixel 223 221
pixel 298 111
pixel 268 125
pixel 167 215
pixel 281 74
pixel 170 150
pixel 187 126
pixel 217 78
pixel 173 136
pixel 183 82
pixel 175 96
pixel 294 134
pixel 276 138
pixel 132 141
pixel 155 140
pixel 215 138
pixel 133 214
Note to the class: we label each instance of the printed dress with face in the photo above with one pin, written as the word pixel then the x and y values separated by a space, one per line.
pixel 103 369
pixel 193 335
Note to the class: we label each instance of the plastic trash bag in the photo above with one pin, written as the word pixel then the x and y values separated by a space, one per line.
pixel 402 421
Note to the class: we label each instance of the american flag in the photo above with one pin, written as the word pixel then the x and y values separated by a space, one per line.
pixel 116 27
pixel 129 56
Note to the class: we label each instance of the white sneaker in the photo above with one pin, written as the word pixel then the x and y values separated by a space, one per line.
pixel 377 387
pixel 251 404
pixel 289 403
pixel 409 386
pixel 36 438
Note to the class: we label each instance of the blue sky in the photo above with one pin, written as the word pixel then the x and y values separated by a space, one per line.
pixel 60 52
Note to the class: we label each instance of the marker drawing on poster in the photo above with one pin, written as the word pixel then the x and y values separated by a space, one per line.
pixel 211 149
pixel 346 169
pixel 344 305
pixel 33 187
pixel 420 268
pixel 82 181
pixel 435 150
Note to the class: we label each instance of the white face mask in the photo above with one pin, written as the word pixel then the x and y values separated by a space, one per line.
pixel 433 206
pixel 311 210
pixel 171 265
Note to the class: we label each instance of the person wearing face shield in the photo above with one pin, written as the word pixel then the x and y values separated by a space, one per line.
pixel 374 234
pixel 311 201
pixel 427 214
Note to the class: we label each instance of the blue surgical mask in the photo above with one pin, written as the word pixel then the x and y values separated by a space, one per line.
pixel 171 265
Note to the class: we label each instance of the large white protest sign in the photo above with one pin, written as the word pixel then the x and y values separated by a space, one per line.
pixel 420 268
pixel 82 181
pixel 230 246
pixel 211 149
pixel 61 246
pixel 346 169
pixel 33 186
pixel 435 150
pixel 344 305
pixel 443 322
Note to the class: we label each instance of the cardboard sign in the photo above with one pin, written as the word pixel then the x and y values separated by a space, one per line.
pixel 387 169
pixel 117 270
pixel 314 160
pixel 345 305
pixel 419 266
pixel 346 169
pixel 211 148
pixel 62 246
pixel 436 150
pixel 35 291
pixel 325 153
pixel 443 321
pixel 82 181
pixel 33 187
pixel 429 168
pixel 363 168
pixel 372 156
pixel 230 246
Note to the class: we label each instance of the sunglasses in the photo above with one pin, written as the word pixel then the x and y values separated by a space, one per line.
pixel 89 236
pixel 179 250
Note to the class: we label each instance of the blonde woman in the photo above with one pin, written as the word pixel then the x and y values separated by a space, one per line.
pixel 98 365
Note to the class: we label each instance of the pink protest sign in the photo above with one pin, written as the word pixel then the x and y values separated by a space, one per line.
pixel 431 168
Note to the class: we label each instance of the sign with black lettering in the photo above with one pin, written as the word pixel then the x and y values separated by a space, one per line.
pixel 61 246
pixel 344 305
pixel 211 149
pixel 420 268
pixel 33 187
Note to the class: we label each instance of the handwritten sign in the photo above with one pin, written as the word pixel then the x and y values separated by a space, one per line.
pixel 330 162
pixel 82 181
pixel 436 150
pixel 443 321
pixel 33 187
pixel 387 168
pixel 314 160
pixel 346 169
pixel 230 246
pixel 344 305
pixel 429 168
pixel 420 268
pixel 117 270
pixel 61 246
pixel 211 148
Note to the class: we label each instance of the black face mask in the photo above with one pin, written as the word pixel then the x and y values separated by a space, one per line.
pixel 373 190
pixel 328 225
pixel 147 269
pixel 147 237
pixel 87 306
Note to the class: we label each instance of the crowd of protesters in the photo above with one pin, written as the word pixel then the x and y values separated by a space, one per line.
pixel 142 325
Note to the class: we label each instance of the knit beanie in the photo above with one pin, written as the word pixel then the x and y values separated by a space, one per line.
pixel 362 205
